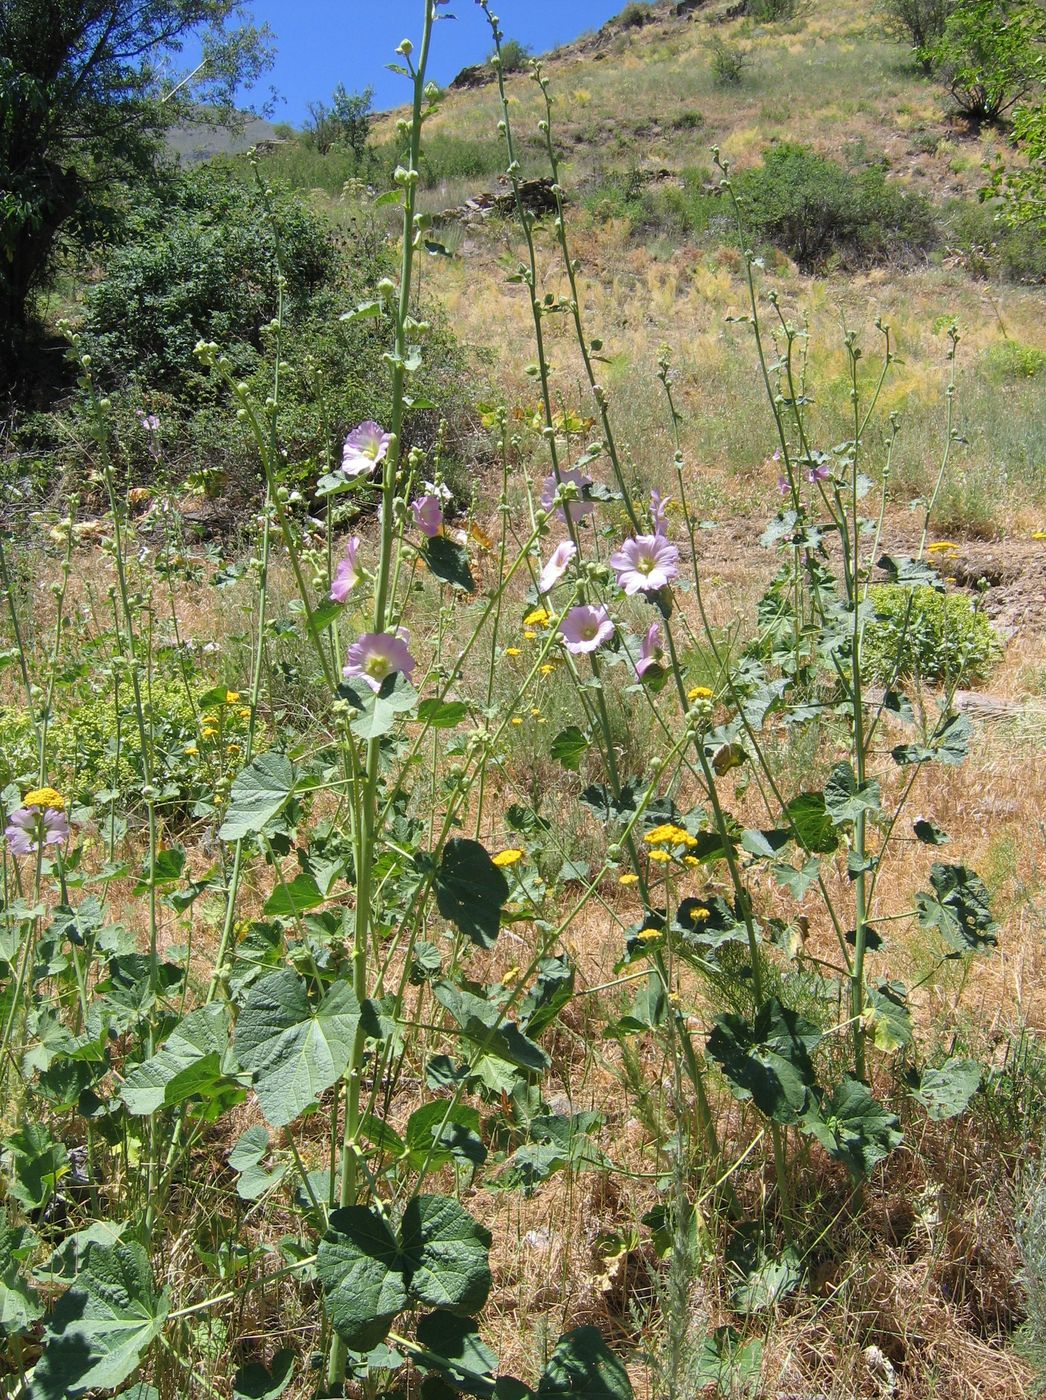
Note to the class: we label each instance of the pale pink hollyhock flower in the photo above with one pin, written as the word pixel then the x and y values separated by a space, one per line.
pixel 428 515
pixel 28 829
pixel 364 448
pixel 572 510
pixel 650 653
pixel 659 512
pixel 376 655
pixel 775 456
pixel 347 575
pixel 645 564
pixel 586 628
pixel 556 566
pixel 819 473
pixel 150 422
pixel 784 486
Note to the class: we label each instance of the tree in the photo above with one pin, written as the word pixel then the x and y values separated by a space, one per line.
pixel 346 122
pixel 990 55
pixel 917 22
pixel 1022 189
pixel 87 89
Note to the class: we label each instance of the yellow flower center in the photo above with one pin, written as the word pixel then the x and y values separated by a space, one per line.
pixel 45 797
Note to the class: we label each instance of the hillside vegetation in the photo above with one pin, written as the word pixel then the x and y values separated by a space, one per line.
pixel 523 739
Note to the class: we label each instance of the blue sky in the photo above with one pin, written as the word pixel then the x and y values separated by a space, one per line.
pixel 320 43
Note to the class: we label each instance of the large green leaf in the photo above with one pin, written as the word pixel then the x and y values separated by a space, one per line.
pixel 457 1351
pixel 296 1050
pixel 584 1368
pixel 854 1128
pixel 958 909
pixel 811 823
pixel 888 1018
pixel 446 1255
pixel 440 1132
pixel 249 1152
pixel 845 799
pixel 945 1092
pixel 189 1063
pixel 767 1060
pixel 19 1305
pixel 948 744
pixel 377 711
pixel 471 890
pixel 257 1382
pixel 483 1024
pixel 368 1276
pixel 259 793
pixel 361 1270
pixel 449 562
pixel 101 1325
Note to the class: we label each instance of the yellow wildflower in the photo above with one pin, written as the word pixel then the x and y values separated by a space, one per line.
pixel 231 697
pixel 530 636
pixel 507 857
pixel 670 833
pixel 699 915
pixel 629 879
pixel 534 711
pixel 516 720
pixel 942 547
pixel 1039 534
pixel 691 860
pixel 512 975
pixel 648 933
pixel 232 749
pixel 698 692
pixel 513 651
pixel 540 617
pixel 547 669
pixel 45 797
pixel 191 750
pixel 208 732
pixel 245 713
pixel 660 855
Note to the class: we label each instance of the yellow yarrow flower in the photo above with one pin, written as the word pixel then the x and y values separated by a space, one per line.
pixel 191 750
pixel 507 857
pixel 45 797
pixel 231 697
pixel 245 713
pixel 513 651
pixel 660 856
pixel 942 547
pixel 671 834
pixel 546 669
pixel 629 879
pixel 540 617
pixel 516 720
pixel 648 933
pixel 209 732
pixel 530 636
pixel 699 692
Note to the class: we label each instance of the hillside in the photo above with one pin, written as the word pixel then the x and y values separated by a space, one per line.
pixel 523 743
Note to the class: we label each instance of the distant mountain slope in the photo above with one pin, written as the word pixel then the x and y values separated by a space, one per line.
pixel 198 141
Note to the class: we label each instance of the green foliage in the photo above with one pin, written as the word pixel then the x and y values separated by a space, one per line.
pixel 1023 188
pixel 816 211
pixel 919 23
pixel 346 122
pixel 776 11
pixel 935 637
pixel 990 56
pixel 95 744
pixel 1012 249
pixel 729 61
pixel 634 15
pixel 85 94
pixel 201 264
pixel 1009 362
pixel 514 56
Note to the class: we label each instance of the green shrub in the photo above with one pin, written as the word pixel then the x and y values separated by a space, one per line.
pixel 934 637
pixel 635 15
pixel 989 56
pixel 990 248
pixel 775 11
pixel 919 23
pixel 815 210
pixel 1010 362
pixel 200 263
pixel 514 56
pixel 729 62
pixel 95 745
